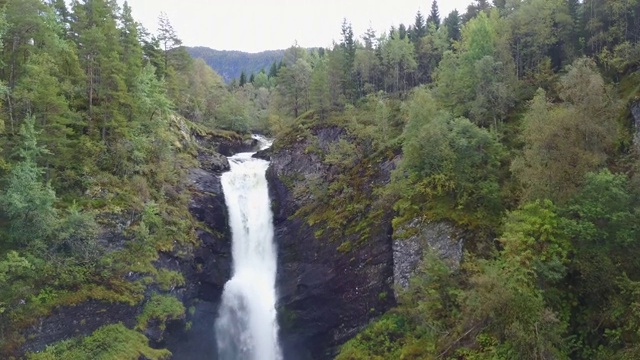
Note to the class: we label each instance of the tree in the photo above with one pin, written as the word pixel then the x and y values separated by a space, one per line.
pixel 478 81
pixel 27 202
pixel 262 81
pixel 348 51
pixel 293 81
pixel 319 89
pixel 564 142
pixel 132 53
pixel 369 39
pixel 443 170
pixel 494 92
pixel 243 78
pixel 536 29
pixel 429 51
pixel 167 37
pixel 97 37
pixel 419 27
pixel 434 16
pixel 452 24
pixel 402 31
pixel 398 56
pixel 273 70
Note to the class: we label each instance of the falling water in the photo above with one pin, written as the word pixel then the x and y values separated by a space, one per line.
pixel 246 328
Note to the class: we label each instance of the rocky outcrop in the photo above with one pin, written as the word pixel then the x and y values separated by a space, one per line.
pixel 635 113
pixel 412 241
pixel 227 145
pixel 326 294
pixel 209 266
pixel 82 319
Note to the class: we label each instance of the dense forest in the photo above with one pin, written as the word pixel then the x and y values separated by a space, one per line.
pixel 511 120
pixel 95 113
pixel 231 65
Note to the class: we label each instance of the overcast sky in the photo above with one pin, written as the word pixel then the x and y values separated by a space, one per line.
pixel 256 25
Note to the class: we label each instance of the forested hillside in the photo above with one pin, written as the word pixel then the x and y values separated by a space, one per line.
pixel 512 121
pixel 232 64
pixel 95 124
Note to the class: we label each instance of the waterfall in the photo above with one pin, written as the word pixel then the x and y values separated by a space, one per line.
pixel 246 327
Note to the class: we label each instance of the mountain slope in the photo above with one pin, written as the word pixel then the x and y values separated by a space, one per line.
pixel 230 64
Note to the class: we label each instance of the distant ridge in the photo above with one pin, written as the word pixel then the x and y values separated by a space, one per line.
pixel 230 64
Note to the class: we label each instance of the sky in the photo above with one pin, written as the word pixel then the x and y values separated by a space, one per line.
pixel 257 25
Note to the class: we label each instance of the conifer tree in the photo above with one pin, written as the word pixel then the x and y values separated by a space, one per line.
pixel 452 24
pixel 27 202
pixel 434 15
pixel 243 78
pixel 419 27
pixel 167 37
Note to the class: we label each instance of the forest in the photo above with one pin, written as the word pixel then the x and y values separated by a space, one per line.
pixel 512 120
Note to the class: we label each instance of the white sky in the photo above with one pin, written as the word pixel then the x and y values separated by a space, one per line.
pixel 256 25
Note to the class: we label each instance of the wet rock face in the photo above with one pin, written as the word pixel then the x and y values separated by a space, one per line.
pixel 70 321
pixel 412 241
pixel 227 146
pixel 325 296
pixel 207 269
pixel 635 112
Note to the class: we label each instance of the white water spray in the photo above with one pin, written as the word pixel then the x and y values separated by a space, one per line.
pixel 246 328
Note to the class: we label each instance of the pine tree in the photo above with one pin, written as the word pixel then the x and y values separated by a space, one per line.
pixel 132 53
pixel 167 37
pixel 369 39
pixel 63 13
pixel 419 27
pixel 131 48
pixel 434 15
pixel 273 70
pixel 348 48
pixel 243 78
pixel 402 31
pixel 98 41
pixel 452 24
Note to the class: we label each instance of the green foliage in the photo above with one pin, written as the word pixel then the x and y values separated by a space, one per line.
pixel 96 121
pixel 377 342
pixel 110 342
pixel 450 167
pixel 160 309
pixel 230 64
pixel 168 279
pixel 27 202
pixel 565 141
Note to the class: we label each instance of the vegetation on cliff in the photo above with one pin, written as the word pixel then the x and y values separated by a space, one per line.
pixel 510 120
pixel 95 127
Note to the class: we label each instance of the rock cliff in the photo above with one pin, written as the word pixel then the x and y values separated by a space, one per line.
pixel 326 294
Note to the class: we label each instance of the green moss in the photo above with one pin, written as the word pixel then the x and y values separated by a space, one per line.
pixel 111 342
pixel 345 247
pixel 168 279
pixel 160 308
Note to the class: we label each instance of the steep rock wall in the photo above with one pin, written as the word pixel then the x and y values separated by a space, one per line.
pixel 326 294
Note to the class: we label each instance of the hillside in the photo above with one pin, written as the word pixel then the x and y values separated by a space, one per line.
pixel 230 64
